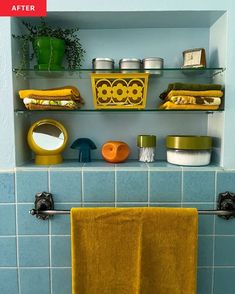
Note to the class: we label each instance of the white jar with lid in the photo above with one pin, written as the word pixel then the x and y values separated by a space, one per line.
pixel 189 150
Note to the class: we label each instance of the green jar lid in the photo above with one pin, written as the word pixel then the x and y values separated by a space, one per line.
pixel 146 141
pixel 189 142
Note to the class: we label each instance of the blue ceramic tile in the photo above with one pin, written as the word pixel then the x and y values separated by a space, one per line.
pixel 61 281
pixel 165 186
pixel 36 281
pixel 7 251
pixel 33 251
pixel 60 224
pixel 28 224
pixel 7 220
pixel 29 183
pixel 8 281
pixel 199 186
pixel 7 187
pixel 98 186
pixel 226 181
pixel 223 280
pixel 132 185
pixel 205 222
pixel 66 186
pixel 224 227
pixel 205 251
pixel 61 251
pixel 204 280
pixel 224 250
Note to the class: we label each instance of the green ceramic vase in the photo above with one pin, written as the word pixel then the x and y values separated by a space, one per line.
pixel 49 53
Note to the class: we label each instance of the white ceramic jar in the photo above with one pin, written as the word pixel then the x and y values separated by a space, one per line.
pixel 189 150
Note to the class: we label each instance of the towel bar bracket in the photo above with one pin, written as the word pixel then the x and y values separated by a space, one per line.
pixel 44 206
pixel 226 201
pixel 43 201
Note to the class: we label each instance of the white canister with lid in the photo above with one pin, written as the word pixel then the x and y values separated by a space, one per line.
pixel 189 150
pixel 130 63
pixel 103 63
pixel 153 63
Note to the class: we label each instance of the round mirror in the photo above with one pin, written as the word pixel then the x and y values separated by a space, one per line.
pixel 47 138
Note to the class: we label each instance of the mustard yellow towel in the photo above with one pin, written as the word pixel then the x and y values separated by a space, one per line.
pixel 134 250
pixel 209 93
pixel 170 105
pixel 62 91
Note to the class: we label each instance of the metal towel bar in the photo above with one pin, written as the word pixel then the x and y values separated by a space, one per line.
pixel 44 206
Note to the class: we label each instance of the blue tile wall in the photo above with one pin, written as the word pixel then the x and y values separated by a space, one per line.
pixel 8 281
pixel 132 186
pixel 8 251
pixel 7 187
pixel 66 187
pixel 165 186
pixel 7 220
pixel 199 186
pixel 33 251
pixel 37 253
pixel 35 281
pixel 98 186
pixel 29 183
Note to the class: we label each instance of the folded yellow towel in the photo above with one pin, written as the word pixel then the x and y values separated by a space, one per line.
pixel 209 93
pixel 134 250
pixel 61 91
pixel 170 105
pixel 195 100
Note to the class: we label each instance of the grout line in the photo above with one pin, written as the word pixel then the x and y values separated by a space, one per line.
pixel 213 240
pixel 49 223
pixel 8 267
pixel 17 236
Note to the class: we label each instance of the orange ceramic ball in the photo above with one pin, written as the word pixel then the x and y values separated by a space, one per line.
pixel 115 151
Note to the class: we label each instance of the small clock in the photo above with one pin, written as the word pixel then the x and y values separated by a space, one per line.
pixel 194 58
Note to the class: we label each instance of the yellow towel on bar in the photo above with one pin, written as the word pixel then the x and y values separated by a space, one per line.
pixel 61 91
pixel 134 250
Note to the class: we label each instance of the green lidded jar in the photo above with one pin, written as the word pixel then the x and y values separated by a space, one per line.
pixel 189 150
pixel 147 145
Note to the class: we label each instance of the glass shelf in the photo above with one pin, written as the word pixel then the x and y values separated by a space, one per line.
pixel 85 73
pixel 26 111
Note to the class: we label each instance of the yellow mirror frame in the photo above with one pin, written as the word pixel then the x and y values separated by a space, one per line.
pixel 43 156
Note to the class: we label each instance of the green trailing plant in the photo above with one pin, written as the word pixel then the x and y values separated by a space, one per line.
pixel 74 52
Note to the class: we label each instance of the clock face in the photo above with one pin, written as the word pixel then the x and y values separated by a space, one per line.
pixel 192 58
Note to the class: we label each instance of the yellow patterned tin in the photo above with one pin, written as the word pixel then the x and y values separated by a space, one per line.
pixel 124 91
